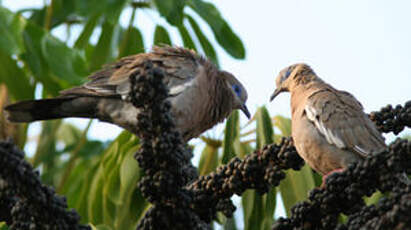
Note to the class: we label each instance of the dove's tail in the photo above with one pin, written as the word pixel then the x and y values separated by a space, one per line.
pixel 46 109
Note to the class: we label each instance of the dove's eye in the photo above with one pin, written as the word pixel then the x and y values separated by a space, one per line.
pixel 237 90
pixel 286 75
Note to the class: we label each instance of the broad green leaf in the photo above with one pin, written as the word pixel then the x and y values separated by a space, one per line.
pixel 241 149
pixel 90 7
pixel 253 210
pixel 283 124
pixel 231 132
pixel 64 62
pixel 265 133
pixel 88 29
pixel 68 133
pixel 15 78
pixel 81 204
pixel 172 10
pixel 132 42
pixel 114 9
pixel 100 227
pixel 205 44
pixel 62 11
pixel 296 186
pixel 33 56
pixel 209 160
pixel 187 40
pixel 138 206
pixel 77 183
pixel 230 224
pixel 114 185
pixel 269 207
pixel 222 31
pixel 3 226
pixel 11 27
pixel 130 174
pixel 95 198
pixel 161 36
pixel 105 50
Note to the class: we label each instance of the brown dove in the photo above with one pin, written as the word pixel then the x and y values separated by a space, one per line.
pixel 329 127
pixel 200 94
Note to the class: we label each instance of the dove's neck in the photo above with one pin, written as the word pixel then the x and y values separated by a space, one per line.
pixel 301 92
pixel 222 101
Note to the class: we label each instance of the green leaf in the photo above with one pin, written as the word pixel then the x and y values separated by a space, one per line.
pixel 241 149
pixel 88 29
pixel 231 132
pixel 66 63
pixel 100 227
pixel 187 40
pixel 33 36
pixel 205 44
pixel 253 210
pixel 269 208
pixel 3 226
pixel 161 36
pixel 11 28
pixel 172 10
pixel 296 186
pixel 114 9
pixel 90 7
pixel 95 198
pixel 283 124
pixel 222 31
pixel 265 133
pixel 209 160
pixel 15 78
pixel 230 224
pixel 132 42
pixel 81 203
pixel 105 50
pixel 112 194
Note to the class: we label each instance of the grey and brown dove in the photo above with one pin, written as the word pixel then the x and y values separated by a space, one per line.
pixel 329 127
pixel 201 95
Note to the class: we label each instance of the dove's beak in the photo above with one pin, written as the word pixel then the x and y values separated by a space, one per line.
pixel 245 111
pixel 275 94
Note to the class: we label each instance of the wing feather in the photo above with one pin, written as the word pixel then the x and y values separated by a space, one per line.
pixel 339 117
pixel 180 65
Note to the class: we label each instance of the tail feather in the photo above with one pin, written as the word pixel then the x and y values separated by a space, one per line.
pixel 46 109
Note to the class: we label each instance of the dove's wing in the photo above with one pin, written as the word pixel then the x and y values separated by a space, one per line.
pixel 340 118
pixel 180 65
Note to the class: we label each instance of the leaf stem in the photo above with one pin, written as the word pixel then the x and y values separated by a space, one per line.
pixel 49 15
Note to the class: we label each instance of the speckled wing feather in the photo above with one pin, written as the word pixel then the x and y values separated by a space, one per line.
pixel 180 66
pixel 340 118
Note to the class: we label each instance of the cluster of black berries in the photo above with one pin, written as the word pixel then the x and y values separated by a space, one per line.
pixel 260 170
pixel 390 119
pixel 25 203
pixel 163 156
pixel 168 183
pixel 344 192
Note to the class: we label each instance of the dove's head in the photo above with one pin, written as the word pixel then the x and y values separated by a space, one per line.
pixel 292 76
pixel 238 92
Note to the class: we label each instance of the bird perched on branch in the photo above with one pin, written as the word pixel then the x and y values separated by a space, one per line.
pixel 329 127
pixel 201 95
